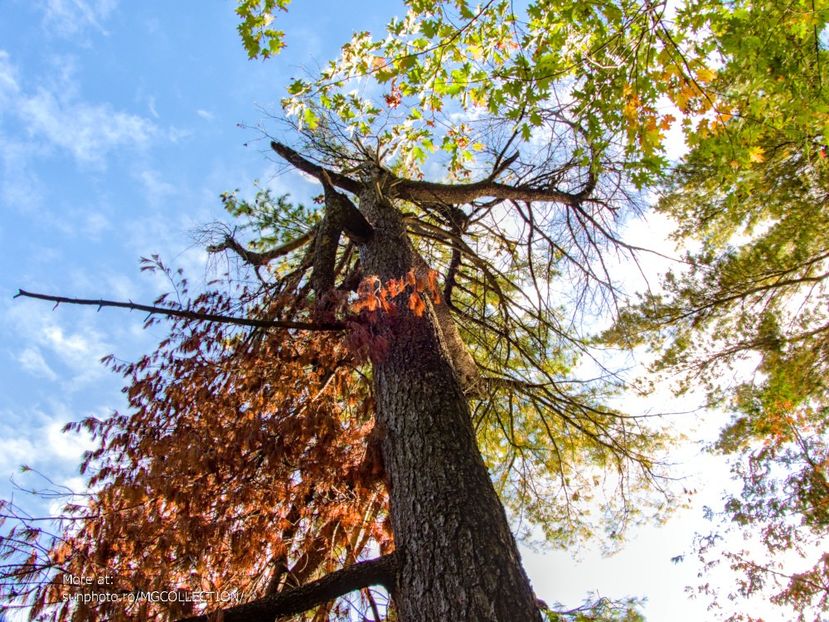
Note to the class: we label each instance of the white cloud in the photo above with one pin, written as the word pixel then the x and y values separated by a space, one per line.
pixel 14 452
pixel 67 445
pixel 72 17
pixel 123 288
pixel 53 114
pixel 33 362
pixel 20 186
pixel 94 223
pixel 204 114
pixel 8 78
pixel 74 348
pixel 79 348
pixel 88 131
pixel 155 187
pixel 42 440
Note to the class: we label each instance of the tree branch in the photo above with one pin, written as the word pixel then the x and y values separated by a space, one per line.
pixel 378 571
pixel 340 216
pixel 462 362
pixel 411 190
pixel 325 252
pixel 306 166
pixel 351 219
pixel 185 313
pixel 260 259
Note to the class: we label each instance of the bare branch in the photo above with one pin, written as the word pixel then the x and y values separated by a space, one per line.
pixel 306 166
pixel 185 313
pixel 260 259
pixel 351 219
pixel 411 190
pixel 341 216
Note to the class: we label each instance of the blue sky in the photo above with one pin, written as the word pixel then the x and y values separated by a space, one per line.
pixel 118 132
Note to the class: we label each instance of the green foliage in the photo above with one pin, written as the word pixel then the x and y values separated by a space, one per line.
pixel 600 66
pixel 752 197
pixel 259 39
pixel 272 221
pixel 600 610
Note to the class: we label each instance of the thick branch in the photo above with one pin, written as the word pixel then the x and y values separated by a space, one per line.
pixel 306 166
pixel 325 253
pixel 451 275
pixel 464 365
pixel 351 219
pixel 341 216
pixel 466 193
pixel 378 571
pixel 411 190
pixel 185 313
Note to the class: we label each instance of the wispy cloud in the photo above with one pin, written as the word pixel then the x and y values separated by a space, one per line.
pixel 71 345
pixel 54 115
pixel 93 224
pixel 205 114
pixel 72 17
pixel 20 186
pixel 44 442
pixel 9 87
pixel 31 359
pixel 155 187
pixel 77 348
pixel 67 445
pixel 88 131
pixel 14 452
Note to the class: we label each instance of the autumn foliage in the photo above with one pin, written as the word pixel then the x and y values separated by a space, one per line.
pixel 377 303
pixel 244 467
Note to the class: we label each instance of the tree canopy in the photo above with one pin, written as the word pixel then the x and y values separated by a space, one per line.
pixel 752 195
pixel 506 149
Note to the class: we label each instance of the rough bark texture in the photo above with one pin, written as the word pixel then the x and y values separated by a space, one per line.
pixel 457 559
pixel 325 253
pixel 465 366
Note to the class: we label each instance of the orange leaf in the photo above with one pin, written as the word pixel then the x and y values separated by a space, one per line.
pixel 416 304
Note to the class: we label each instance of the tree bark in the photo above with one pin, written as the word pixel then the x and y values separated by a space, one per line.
pixel 457 559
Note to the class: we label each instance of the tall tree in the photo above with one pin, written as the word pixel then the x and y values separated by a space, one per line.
pixel 405 336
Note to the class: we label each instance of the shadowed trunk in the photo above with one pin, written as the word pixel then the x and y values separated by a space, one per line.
pixel 457 558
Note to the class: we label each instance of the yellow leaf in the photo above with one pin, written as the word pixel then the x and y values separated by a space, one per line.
pixel 705 75
pixel 755 154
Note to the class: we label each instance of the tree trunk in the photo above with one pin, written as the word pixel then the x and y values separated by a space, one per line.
pixel 457 559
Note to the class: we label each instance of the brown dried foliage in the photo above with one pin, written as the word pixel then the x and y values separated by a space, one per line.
pixel 243 466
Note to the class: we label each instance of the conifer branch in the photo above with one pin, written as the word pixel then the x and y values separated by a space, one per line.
pixel 260 259
pixel 379 571
pixel 184 313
